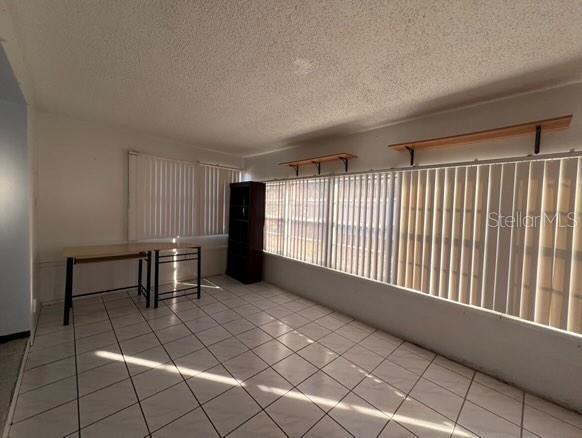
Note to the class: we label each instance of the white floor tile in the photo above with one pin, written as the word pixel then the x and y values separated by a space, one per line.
pixel 44 398
pixel 381 395
pixel 395 430
pixel 359 417
pixel 57 422
pixel 272 351
pixel 484 423
pixel 231 409
pixel 396 376
pixel 438 398
pixel 128 423
pixel 317 354
pixel 106 401
pixel 156 380
pixel 295 340
pixel 213 335
pixel 546 425
pixel 422 420
pixel 267 386
pixel 227 349
pixel 258 426
pixel 294 368
pixel 46 374
pixel 496 402
pixel 323 390
pixel 254 337
pixel 194 363
pixel 314 331
pixel 345 372
pixel 363 357
pixel 168 405
pixel 193 424
pixel 211 383
pixel 105 375
pixel 245 365
pixel 446 378
pixel 327 428
pixel 295 413
pixel 337 343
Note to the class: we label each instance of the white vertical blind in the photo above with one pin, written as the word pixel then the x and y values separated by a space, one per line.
pixel 505 237
pixel 215 196
pixel 169 198
pixel 296 218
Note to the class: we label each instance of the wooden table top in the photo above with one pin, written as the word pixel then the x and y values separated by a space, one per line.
pixel 125 248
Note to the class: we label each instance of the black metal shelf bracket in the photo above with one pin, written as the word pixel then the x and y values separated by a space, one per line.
pixel 318 166
pixel 345 161
pixel 538 139
pixel 411 151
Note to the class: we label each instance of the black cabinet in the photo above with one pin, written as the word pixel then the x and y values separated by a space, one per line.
pixel 245 232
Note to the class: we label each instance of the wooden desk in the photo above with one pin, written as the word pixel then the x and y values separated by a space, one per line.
pixel 127 251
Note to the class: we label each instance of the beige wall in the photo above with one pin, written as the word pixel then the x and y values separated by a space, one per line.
pixel 371 146
pixel 81 196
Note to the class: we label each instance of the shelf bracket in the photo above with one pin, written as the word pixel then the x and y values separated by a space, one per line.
pixel 345 161
pixel 411 150
pixel 538 139
pixel 318 166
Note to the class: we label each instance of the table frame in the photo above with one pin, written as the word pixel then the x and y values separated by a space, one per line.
pixel 70 268
pixel 129 251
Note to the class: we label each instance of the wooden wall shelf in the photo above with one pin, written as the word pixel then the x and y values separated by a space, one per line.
pixel 344 157
pixel 535 127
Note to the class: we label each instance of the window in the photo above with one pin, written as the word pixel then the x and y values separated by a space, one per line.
pixel 169 198
pixel 296 219
pixel 505 237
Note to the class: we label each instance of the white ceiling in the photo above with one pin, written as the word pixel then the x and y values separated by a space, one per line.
pixel 249 76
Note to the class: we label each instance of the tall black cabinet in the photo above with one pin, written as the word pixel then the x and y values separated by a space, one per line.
pixel 245 235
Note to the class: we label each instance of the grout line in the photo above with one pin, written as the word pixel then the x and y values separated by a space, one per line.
pixel 262 409
pixel 16 394
pixel 463 402
pixel 522 414
pixel 76 372
pixel 296 387
pixel 129 373
pixel 407 394
pixel 184 380
pixel 174 307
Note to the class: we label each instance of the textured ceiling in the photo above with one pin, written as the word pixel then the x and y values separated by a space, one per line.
pixel 250 76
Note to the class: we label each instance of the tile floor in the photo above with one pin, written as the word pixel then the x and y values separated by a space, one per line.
pixel 11 354
pixel 255 361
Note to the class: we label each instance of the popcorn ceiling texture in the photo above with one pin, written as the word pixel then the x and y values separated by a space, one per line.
pixel 249 76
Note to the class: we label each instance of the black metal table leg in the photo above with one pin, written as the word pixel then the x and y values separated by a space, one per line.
pixel 199 280
pixel 156 278
pixel 148 277
pixel 139 272
pixel 68 289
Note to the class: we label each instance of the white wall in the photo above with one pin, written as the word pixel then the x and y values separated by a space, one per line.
pixel 82 197
pixel 15 212
pixel 540 360
pixel 371 146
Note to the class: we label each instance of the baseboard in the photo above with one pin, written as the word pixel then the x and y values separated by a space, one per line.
pixel 13 336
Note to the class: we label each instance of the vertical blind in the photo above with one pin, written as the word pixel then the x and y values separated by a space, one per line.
pixel 215 196
pixel 169 198
pixel 505 237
